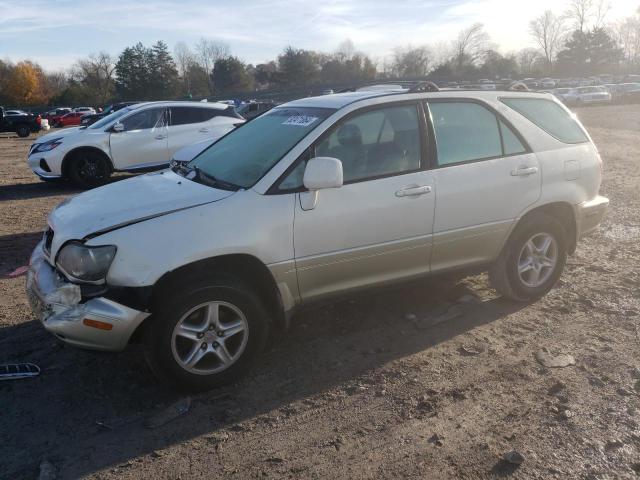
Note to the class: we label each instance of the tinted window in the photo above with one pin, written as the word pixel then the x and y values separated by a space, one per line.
pixel 549 116
pixel 377 143
pixel 150 118
pixel 243 156
pixel 511 143
pixel 464 131
pixel 186 115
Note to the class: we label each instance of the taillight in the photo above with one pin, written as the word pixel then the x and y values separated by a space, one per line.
pixel 38 119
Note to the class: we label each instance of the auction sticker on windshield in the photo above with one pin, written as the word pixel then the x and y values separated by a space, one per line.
pixel 300 120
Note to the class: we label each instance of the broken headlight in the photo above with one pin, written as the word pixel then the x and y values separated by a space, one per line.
pixel 84 263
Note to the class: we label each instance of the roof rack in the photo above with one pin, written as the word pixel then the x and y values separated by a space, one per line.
pixel 417 86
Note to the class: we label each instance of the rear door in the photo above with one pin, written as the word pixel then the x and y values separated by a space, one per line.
pixel 485 176
pixel 192 124
pixel 143 143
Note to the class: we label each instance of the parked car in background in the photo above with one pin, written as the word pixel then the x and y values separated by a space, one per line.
pixel 565 95
pixel 628 93
pixel 139 137
pixel 253 109
pixel 371 187
pixel 84 110
pixel 547 83
pixel 15 112
pixel 22 124
pixel 69 119
pixel 54 115
pixel 589 95
pixel 90 118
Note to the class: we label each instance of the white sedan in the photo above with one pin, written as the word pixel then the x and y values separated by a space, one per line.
pixel 141 137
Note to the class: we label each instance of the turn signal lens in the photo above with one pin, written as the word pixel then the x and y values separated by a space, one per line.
pixel 97 324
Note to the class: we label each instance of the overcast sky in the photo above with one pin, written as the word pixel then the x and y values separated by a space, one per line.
pixel 57 32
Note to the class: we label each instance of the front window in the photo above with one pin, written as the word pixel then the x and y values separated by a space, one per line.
pixel 103 122
pixel 243 156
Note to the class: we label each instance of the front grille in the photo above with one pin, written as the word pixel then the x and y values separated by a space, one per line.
pixel 48 238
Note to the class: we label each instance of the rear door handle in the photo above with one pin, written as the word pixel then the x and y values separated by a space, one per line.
pixel 413 191
pixel 160 137
pixel 204 130
pixel 524 171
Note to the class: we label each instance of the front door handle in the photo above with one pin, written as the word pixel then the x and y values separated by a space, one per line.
pixel 524 171
pixel 413 191
pixel 160 137
pixel 203 130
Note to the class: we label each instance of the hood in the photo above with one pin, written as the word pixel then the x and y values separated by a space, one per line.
pixel 58 134
pixel 125 202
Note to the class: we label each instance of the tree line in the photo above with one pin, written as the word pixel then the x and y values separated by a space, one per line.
pixel 578 42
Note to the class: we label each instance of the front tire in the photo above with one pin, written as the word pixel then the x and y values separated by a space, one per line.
pixel 532 260
pixel 89 169
pixel 23 131
pixel 205 335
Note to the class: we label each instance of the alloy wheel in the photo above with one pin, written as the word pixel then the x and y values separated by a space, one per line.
pixel 210 337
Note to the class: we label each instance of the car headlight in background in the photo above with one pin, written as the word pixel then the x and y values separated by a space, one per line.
pixel 48 146
pixel 84 263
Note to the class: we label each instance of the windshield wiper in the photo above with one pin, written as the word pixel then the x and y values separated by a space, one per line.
pixel 213 181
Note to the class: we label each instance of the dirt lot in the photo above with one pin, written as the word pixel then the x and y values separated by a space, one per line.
pixel 376 387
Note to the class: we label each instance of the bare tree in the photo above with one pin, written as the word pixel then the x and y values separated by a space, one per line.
pixel 184 58
pixel 96 72
pixel 627 35
pixel 602 9
pixel 208 53
pixel 527 59
pixel 471 45
pixel 411 61
pixel 548 31
pixel 579 12
pixel 345 51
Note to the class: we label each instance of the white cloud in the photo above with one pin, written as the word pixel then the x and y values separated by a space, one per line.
pixel 258 30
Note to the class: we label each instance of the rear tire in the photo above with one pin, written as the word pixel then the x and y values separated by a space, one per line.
pixel 23 131
pixel 532 261
pixel 89 169
pixel 206 334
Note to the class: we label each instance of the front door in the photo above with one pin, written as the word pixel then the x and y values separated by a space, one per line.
pixel 376 228
pixel 144 141
pixel 485 178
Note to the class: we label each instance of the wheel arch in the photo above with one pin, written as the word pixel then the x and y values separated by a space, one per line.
pixel 66 161
pixel 244 267
pixel 561 211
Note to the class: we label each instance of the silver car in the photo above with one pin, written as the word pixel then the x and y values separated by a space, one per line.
pixel 315 199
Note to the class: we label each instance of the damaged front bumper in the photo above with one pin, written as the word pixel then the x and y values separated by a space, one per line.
pixel 58 303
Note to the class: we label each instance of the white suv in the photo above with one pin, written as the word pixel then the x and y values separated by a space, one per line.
pixel 140 137
pixel 317 198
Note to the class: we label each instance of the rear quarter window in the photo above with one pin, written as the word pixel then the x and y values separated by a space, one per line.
pixel 550 117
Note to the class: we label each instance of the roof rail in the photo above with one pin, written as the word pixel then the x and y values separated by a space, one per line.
pixel 415 86
pixel 422 87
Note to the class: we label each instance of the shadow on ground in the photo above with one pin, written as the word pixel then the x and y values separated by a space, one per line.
pixel 97 405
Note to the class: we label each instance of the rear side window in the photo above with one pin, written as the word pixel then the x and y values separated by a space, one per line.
pixel 465 131
pixel 187 115
pixel 550 117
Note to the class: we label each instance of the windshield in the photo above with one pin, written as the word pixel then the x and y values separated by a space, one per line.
pixel 243 156
pixel 109 118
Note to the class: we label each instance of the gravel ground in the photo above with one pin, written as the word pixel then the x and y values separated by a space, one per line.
pixel 435 380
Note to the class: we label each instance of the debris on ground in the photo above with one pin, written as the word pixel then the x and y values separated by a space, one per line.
pixel 15 371
pixel 170 413
pixel 470 350
pixel 18 272
pixel 554 361
pixel 436 440
pixel 513 457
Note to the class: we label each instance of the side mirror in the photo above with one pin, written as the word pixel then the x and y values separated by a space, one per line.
pixel 117 127
pixel 323 172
